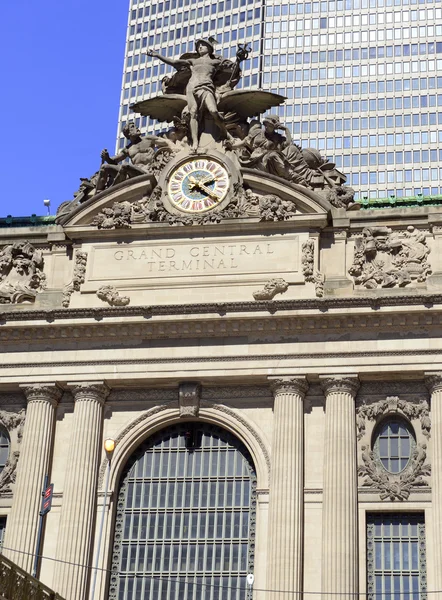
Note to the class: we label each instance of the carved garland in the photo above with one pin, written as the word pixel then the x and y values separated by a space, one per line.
pixel 388 485
pixel 308 267
pixel 11 422
pixel 77 279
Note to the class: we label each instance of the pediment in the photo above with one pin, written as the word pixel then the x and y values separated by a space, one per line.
pixel 253 190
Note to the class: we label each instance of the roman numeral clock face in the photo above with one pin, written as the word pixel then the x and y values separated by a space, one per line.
pixel 198 185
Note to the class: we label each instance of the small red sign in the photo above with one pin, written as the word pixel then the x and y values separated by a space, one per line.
pixel 46 504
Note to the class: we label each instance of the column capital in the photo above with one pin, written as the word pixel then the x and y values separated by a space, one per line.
pixel 339 383
pixel 289 385
pixel 89 390
pixel 42 392
pixel 433 381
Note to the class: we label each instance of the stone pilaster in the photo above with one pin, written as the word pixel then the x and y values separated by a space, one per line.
pixel 33 465
pixel 75 537
pixel 340 496
pixel 433 382
pixel 286 507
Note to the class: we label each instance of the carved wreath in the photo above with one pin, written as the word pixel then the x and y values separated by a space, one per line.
pixel 393 486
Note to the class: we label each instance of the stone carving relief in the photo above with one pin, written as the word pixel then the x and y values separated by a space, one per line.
pixel 77 279
pixel 151 209
pixel 21 273
pixel 13 423
pixel 109 294
pixel 386 259
pixel 271 289
pixel 394 487
pixel 308 267
pixel 374 476
pixel 393 404
pixel 189 396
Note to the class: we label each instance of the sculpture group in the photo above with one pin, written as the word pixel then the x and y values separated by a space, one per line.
pixel 208 113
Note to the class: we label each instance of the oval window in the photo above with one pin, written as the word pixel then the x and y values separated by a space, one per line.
pixel 394 444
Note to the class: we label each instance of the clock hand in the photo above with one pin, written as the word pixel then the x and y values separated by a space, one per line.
pixel 207 179
pixel 208 191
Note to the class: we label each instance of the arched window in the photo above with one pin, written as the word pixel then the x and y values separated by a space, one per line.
pixel 4 447
pixel 394 443
pixel 185 518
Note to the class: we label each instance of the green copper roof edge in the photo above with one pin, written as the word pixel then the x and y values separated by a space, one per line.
pixel 32 221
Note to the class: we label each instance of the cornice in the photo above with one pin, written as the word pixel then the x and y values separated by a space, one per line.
pixel 367 300
pixel 256 328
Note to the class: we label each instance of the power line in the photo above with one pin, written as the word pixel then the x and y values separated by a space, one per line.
pixel 390 595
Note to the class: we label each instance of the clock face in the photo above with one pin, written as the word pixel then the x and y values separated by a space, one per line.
pixel 198 185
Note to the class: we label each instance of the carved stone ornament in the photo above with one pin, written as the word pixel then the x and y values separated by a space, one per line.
pixel 21 273
pixel 385 259
pixel 391 486
pixel 271 289
pixel 151 209
pixel 40 392
pixel 90 391
pixel 342 196
pixel 308 267
pixel 109 294
pixel 289 385
pixel 337 384
pixel 77 278
pixel 393 405
pixel 11 422
pixel 189 396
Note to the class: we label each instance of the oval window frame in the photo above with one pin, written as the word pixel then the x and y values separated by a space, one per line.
pixel 377 435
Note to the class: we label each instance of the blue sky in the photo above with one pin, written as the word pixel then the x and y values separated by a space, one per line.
pixel 61 66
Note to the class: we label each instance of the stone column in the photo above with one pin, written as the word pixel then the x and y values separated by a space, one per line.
pixel 77 519
pixel 286 506
pixel 340 496
pixel 434 384
pixel 33 465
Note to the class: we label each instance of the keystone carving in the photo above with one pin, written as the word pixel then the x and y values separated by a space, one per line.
pixel 393 404
pixel 21 273
pixel 109 294
pixel 394 487
pixel 308 267
pixel 271 289
pixel 77 279
pixel 11 422
pixel 189 399
pixel 384 259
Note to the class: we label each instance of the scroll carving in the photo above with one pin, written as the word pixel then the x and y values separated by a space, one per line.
pixel 77 279
pixel 21 273
pixel 384 259
pixel 308 267
pixel 109 294
pixel 271 289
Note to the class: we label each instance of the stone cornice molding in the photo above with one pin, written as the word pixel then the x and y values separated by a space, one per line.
pixel 86 391
pixel 433 381
pixel 42 392
pixel 338 384
pixel 289 385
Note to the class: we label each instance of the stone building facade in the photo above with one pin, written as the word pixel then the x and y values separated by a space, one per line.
pixel 278 338
pixel 265 354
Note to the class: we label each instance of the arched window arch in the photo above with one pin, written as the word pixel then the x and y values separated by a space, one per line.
pixel 393 443
pixel 185 517
pixel 4 447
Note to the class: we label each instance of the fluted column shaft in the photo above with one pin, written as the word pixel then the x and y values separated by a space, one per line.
pixel 340 496
pixel 33 465
pixel 434 384
pixel 286 505
pixel 74 544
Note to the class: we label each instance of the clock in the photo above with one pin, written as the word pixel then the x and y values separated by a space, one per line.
pixel 198 184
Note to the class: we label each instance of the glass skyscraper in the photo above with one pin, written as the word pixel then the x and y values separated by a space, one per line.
pixel 363 78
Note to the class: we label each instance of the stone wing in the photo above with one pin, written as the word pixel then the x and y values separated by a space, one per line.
pixel 162 108
pixel 249 103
